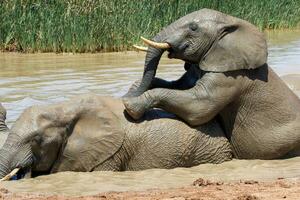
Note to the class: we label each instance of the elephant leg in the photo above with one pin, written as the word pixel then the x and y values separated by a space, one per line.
pixel 186 81
pixel 179 102
pixel 156 83
pixel 196 106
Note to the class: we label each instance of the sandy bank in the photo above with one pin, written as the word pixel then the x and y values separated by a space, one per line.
pixel 200 189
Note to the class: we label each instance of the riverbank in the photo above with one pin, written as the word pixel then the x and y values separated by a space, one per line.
pixel 101 26
pixel 199 189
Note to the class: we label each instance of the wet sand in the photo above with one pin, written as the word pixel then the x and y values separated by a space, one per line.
pixel 91 183
pixel 199 189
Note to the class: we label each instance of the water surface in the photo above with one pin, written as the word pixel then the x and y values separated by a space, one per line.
pixel 29 79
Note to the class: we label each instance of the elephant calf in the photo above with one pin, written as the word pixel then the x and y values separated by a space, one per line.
pixel 92 133
pixel 258 112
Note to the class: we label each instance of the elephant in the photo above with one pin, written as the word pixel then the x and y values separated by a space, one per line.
pixel 93 133
pixel 258 113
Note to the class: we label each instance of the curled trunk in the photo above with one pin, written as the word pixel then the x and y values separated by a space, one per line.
pixel 151 62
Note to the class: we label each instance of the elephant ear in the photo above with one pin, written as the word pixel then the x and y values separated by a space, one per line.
pixel 240 46
pixel 97 135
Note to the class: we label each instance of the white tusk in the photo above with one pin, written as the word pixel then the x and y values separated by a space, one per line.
pixel 139 48
pixel 11 174
pixel 157 45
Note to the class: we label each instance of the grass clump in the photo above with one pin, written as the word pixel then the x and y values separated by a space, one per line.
pixel 114 25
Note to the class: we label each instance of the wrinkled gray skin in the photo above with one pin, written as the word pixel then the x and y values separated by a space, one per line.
pixel 259 114
pixel 92 133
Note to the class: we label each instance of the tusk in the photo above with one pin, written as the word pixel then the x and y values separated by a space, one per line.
pixel 157 45
pixel 11 174
pixel 139 48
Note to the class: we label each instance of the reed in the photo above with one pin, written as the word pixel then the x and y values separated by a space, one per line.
pixel 114 25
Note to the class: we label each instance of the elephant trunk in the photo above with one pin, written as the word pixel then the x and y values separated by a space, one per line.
pixel 151 62
pixel 4 163
pixel 6 153
pixel 14 154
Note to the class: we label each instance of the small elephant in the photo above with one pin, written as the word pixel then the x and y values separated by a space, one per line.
pixel 92 133
pixel 259 114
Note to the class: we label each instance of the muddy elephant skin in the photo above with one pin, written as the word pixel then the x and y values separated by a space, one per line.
pixel 259 114
pixel 91 133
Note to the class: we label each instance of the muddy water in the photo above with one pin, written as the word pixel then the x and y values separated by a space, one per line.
pixel 27 80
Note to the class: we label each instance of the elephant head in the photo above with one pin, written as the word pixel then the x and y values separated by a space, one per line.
pixel 214 40
pixel 43 135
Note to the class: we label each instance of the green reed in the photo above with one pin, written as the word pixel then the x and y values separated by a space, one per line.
pixel 114 25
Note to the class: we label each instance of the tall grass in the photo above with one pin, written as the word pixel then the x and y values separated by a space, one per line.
pixel 114 25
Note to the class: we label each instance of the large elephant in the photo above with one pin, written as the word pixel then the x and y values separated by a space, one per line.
pixel 258 112
pixel 93 133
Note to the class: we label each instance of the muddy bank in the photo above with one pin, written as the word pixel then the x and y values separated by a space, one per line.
pixel 91 183
pixel 199 189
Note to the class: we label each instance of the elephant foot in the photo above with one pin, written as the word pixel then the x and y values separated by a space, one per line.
pixel 134 106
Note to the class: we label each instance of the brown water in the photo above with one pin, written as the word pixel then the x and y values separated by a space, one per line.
pixel 29 79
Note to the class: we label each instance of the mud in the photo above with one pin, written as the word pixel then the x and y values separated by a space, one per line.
pixel 200 189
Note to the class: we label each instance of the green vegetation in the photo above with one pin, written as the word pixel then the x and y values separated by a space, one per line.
pixel 114 25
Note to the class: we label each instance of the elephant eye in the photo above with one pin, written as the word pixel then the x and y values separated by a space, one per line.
pixel 193 26
pixel 37 140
